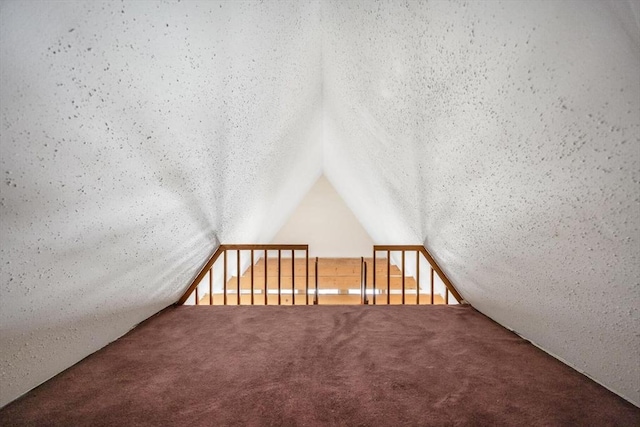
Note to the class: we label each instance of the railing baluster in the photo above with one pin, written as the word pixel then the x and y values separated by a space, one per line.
pixel 197 297
pixel 361 280
pixel 211 286
pixel 225 277
pixel 266 289
pixel 431 286
pixel 417 278
pixel 251 276
pixel 374 276
pixel 315 298
pixel 403 274
pixel 238 276
pixel 279 275
pixel 446 296
pixel 306 286
pixel 366 298
pixel 293 277
pixel 388 277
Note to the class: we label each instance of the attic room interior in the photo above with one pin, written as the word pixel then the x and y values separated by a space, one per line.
pixel 144 143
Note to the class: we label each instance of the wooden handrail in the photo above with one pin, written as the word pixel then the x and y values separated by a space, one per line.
pixel 203 272
pixel 270 247
pixel 381 248
pixel 443 276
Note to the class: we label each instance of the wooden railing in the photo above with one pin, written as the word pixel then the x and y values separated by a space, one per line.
pixel 222 250
pixel 379 286
pixel 434 267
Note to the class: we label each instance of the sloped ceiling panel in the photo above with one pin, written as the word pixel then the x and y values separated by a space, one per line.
pixel 135 135
pixel 503 136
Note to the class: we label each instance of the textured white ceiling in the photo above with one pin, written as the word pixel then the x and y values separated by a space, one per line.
pixel 505 136
pixel 135 136
pixel 502 135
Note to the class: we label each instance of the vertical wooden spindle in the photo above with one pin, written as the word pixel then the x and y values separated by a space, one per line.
pixel 363 289
pixel 279 275
pixel 315 297
pixel 266 288
pixel 364 283
pixel 252 276
pixel 388 277
pixel 374 276
pixel 446 296
pixel 417 278
pixel 403 274
pixel 197 297
pixel 361 280
pixel 225 277
pixel 238 276
pixel 293 277
pixel 306 286
pixel 211 286
pixel 431 286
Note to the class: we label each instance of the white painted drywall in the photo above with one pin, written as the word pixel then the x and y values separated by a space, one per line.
pixel 136 135
pixel 505 137
pixel 326 224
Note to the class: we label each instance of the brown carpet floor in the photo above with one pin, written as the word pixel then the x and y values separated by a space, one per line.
pixel 320 366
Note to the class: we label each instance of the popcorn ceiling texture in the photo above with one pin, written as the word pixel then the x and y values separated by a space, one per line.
pixel 505 137
pixel 137 135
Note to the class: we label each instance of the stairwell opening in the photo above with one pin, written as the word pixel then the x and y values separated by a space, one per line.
pixel 285 275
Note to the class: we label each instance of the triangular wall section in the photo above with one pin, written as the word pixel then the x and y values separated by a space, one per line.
pixel 324 222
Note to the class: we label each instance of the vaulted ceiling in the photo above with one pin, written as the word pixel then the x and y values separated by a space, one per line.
pixel 136 136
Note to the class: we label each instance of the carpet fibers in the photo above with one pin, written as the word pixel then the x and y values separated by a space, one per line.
pixel 317 366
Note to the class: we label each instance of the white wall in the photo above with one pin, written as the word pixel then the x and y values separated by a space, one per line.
pixel 326 224
pixel 505 137
pixel 135 136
